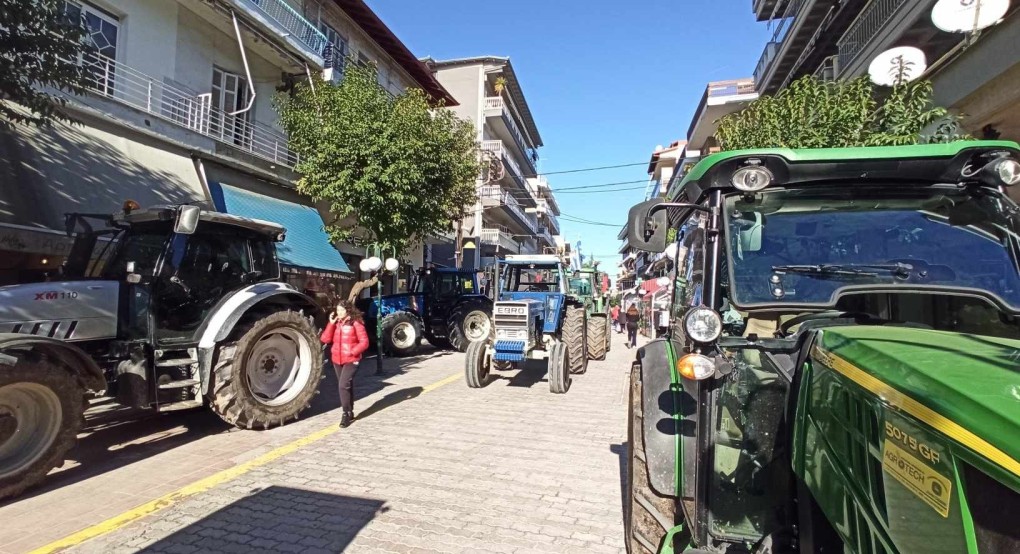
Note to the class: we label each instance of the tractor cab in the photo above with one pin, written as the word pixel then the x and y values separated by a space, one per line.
pixel 835 375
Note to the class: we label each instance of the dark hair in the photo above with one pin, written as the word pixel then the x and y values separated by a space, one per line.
pixel 353 313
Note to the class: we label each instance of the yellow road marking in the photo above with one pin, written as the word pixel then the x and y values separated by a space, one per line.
pixel 925 414
pixel 202 485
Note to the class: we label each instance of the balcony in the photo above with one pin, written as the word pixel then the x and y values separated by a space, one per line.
pixel 795 27
pixel 496 107
pixel 552 222
pixel 288 24
pixel 545 236
pixel 494 196
pixel 875 17
pixel 107 78
pixel 500 237
pixel 498 150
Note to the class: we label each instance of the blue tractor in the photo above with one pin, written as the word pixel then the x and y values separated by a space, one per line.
pixel 535 318
pixel 445 307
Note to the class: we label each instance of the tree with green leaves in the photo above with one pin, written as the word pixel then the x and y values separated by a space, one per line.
pixel 392 169
pixel 812 113
pixel 40 47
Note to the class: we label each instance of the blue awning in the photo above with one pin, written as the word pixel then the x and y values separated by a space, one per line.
pixel 306 244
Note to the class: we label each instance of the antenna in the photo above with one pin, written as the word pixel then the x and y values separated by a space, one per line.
pixel 897 66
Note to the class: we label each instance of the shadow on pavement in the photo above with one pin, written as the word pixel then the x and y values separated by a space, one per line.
pixel 534 372
pixel 277 519
pixel 621 451
pixel 391 399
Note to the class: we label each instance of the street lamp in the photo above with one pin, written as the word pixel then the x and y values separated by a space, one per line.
pixel 374 264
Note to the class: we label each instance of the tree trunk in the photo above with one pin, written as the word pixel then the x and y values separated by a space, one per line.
pixel 360 286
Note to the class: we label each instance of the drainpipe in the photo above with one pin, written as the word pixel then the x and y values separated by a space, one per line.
pixel 247 70
pixel 200 169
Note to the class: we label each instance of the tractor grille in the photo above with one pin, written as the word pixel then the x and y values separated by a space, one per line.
pixel 510 315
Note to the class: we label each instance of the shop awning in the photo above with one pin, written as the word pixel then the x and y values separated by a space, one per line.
pixel 306 244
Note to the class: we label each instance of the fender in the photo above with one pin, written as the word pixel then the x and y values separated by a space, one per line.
pixel 232 308
pixel 661 396
pixel 73 358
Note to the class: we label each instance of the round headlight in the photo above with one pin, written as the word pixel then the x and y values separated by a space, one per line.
pixel 751 178
pixel 696 367
pixel 702 325
pixel 1008 171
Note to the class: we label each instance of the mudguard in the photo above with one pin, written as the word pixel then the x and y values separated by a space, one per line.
pixel 232 308
pixel 660 398
pixel 72 357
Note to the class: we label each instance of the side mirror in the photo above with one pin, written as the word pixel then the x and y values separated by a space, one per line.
pixel 187 220
pixel 646 230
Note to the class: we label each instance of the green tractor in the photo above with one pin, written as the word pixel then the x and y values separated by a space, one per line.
pixel 585 284
pixel 842 371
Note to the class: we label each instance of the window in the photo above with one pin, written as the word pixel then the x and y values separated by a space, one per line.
pixel 336 49
pixel 229 95
pixel 263 260
pixel 104 29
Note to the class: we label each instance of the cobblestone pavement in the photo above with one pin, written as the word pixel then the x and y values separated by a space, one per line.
pixel 507 468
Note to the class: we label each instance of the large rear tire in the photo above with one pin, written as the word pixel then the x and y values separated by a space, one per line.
pixel 649 516
pixel 401 334
pixel 477 365
pixel 41 412
pixel 470 321
pixel 558 374
pixel 596 337
pixel 269 374
pixel 609 334
pixel 574 338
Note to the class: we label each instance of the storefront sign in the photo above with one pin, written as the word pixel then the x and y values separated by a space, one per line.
pixel 35 242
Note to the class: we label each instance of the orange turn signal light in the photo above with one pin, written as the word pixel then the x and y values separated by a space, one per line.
pixel 130 206
pixel 695 367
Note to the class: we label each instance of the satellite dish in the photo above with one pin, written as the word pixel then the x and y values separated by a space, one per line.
pixel 897 66
pixel 967 16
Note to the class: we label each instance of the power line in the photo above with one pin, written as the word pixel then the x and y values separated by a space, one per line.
pixel 602 190
pixel 600 168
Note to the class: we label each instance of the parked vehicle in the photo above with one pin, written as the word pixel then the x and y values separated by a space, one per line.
pixel 181 309
pixel 586 285
pixel 535 318
pixel 446 307
pixel 841 373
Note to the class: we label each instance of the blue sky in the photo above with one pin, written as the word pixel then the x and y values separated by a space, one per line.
pixel 606 81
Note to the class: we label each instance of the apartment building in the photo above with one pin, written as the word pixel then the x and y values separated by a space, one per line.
pixel 974 73
pixel 180 109
pixel 516 211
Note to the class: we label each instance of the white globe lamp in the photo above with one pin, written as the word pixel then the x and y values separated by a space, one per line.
pixel 374 263
pixel 391 264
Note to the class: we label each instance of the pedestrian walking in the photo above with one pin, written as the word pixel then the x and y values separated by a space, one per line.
pixel 633 318
pixel 615 314
pixel 346 333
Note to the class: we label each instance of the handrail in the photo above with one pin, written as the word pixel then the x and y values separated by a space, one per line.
pixel 111 79
pixel 293 22
pixel 873 18
pixel 497 103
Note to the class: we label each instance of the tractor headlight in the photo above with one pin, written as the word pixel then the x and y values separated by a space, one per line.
pixel 696 367
pixel 702 325
pixel 1008 171
pixel 751 178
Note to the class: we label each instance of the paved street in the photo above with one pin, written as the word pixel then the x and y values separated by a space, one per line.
pixel 431 466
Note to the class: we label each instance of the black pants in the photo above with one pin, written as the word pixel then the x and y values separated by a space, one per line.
pixel 632 335
pixel 345 375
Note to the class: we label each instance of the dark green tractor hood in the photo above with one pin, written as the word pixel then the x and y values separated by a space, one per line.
pixel 965 386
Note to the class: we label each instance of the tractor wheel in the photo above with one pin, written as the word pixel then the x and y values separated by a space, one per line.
pixel 574 339
pixel 596 338
pixel 649 517
pixel 269 374
pixel 41 412
pixel 469 322
pixel 401 334
pixel 559 376
pixel 477 365
pixel 609 334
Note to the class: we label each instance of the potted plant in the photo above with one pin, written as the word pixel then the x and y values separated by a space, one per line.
pixel 500 85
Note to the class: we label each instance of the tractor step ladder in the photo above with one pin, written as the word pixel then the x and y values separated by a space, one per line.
pixel 183 383
pixel 187 382
pixel 177 406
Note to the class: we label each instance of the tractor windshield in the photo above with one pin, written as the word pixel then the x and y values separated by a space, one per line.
pixel 142 244
pixel 580 286
pixel 532 278
pixel 808 246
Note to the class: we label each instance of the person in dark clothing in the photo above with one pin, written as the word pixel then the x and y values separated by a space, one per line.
pixel 346 333
pixel 633 318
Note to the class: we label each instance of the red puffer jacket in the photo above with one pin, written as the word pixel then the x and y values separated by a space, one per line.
pixel 349 341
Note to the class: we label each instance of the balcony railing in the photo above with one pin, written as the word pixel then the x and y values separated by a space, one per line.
pixel 785 22
pixel 494 192
pixel 873 18
pixel 553 223
pixel 500 236
pixel 111 79
pixel 497 103
pixel 497 149
pixel 292 23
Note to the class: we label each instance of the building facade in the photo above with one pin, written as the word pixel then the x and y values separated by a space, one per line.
pixel 180 109
pixel 516 210
pixel 973 73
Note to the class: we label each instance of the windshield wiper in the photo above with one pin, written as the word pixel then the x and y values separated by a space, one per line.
pixel 854 270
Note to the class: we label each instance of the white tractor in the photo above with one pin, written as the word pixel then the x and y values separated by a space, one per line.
pixel 168 308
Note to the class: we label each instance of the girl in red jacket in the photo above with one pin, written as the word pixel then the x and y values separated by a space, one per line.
pixel 346 333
